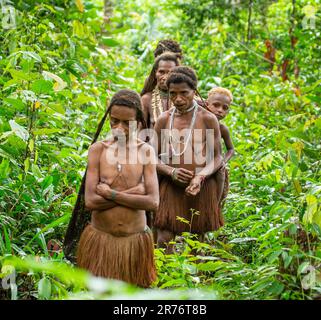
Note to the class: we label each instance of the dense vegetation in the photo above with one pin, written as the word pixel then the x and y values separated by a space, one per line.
pixel 61 61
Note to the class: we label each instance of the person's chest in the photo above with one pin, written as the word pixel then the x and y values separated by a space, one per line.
pixel 120 170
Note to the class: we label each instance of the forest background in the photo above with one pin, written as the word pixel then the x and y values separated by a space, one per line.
pixel 60 63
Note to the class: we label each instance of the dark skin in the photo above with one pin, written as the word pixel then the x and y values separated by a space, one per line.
pixel 219 104
pixel 182 96
pixel 118 204
pixel 164 67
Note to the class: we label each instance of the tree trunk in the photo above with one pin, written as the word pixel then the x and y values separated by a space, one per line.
pixel 108 9
pixel 293 39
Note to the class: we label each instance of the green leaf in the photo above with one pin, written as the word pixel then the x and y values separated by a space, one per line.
pixel 107 41
pixel 7 239
pixel 242 240
pixel 59 85
pixel 42 86
pixel 303 267
pixel 69 142
pixel 312 205
pixel 36 171
pixel 53 224
pixel 82 99
pixel 44 288
pixel 78 29
pixel 32 55
pixel 46 131
pixel 181 219
pixel 26 165
pixel 17 103
pixel 317 217
pixel 31 145
pixel 210 266
pixel 276 288
pixel 57 107
pixel 11 83
pixel 190 242
pixel 46 182
pixel 18 74
pixel 174 283
pixel 4 168
pixel 19 131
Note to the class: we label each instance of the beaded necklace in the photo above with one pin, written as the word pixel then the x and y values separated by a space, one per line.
pixel 195 107
pixel 157 106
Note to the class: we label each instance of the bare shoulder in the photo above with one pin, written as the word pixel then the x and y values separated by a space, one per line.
pixel 147 98
pixel 96 147
pixel 162 119
pixel 209 118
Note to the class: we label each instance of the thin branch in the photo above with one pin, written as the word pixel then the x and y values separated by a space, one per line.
pixel 249 21
pixel 250 50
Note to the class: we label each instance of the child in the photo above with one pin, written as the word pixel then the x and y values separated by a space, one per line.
pixel 218 102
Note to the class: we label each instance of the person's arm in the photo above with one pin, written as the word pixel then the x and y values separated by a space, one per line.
pixel 211 122
pixel 146 106
pixel 94 201
pixel 228 143
pixel 161 167
pixel 149 201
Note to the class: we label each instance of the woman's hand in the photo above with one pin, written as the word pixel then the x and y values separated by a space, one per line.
pixel 195 186
pixel 182 175
pixel 104 190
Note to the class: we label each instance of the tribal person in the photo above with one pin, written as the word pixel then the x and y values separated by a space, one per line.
pixel 155 93
pixel 218 102
pixel 168 45
pixel 185 184
pixel 117 243
pixel 155 99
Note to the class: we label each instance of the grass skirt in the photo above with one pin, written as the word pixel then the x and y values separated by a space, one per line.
pixel 129 258
pixel 174 202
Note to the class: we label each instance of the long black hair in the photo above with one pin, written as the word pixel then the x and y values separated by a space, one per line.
pixel 130 99
pixel 168 45
pixel 151 81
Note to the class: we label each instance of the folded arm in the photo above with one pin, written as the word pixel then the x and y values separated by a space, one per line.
pixel 93 200
pixel 147 201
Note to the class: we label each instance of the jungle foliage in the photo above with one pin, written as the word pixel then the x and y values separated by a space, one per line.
pixel 61 61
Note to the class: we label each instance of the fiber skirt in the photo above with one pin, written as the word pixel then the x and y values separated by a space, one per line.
pixel 129 258
pixel 174 202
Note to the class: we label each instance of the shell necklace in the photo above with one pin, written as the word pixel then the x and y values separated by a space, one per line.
pixel 174 152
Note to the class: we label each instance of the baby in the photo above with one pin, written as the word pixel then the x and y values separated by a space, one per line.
pixel 218 102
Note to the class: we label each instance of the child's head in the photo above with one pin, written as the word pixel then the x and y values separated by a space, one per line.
pixel 218 101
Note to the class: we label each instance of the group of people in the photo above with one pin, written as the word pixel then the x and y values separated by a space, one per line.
pixel 178 170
